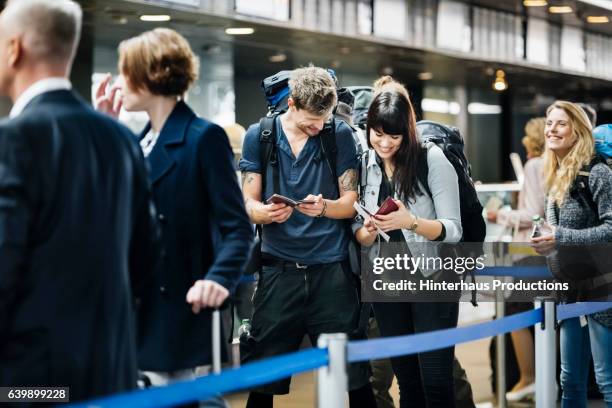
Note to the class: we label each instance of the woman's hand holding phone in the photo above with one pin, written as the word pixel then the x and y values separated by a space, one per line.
pixel 401 218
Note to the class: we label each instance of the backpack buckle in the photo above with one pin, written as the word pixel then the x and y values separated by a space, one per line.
pixel 266 133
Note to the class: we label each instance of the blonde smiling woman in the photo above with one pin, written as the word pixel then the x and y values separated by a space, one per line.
pixel 574 219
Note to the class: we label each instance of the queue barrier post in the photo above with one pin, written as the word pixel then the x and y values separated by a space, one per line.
pixel 546 354
pixel 500 353
pixel 332 380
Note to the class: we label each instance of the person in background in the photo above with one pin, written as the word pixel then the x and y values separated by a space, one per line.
pixel 569 149
pixel 77 226
pixel 206 232
pixel 245 289
pixel 531 202
pixel 532 195
pixel 395 158
pixel 235 133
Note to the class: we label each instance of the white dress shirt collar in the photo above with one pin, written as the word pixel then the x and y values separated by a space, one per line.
pixel 38 88
pixel 148 142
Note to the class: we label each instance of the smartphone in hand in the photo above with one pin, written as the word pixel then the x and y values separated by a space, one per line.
pixel 281 199
pixel 388 206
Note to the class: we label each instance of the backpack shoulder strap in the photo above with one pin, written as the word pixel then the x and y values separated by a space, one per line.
pixel 364 159
pixel 423 174
pixel 581 184
pixel 330 149
pixel 268 153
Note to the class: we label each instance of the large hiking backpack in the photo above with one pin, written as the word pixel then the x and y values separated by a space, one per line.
pixel 276 90
pixel 603 154
pixel 474 228
pixel 603 142
pixel 363 96
pixel 449 139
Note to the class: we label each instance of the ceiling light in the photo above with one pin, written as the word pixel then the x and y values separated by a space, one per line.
pixel 454 108
pixel 477 108
pixel 239 31
pixel 280 57
pixel 598 19
pixel 500 83
pixel 434 105
pixel 440 106
pixel 155 17
pixel 560 9
pixel 535 3
pixel 425 76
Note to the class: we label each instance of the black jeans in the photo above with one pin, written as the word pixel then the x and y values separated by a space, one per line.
pixel 291 302
pixel 425 380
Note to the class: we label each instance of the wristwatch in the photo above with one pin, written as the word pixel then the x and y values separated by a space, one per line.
pixel 415 224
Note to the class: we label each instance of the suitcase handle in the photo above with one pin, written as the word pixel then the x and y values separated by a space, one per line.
pixel 216 341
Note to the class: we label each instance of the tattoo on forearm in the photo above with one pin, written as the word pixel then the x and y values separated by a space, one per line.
pixel 348 180
pixel 247 178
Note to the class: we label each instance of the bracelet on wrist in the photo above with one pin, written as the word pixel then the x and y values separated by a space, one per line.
pixel 323 210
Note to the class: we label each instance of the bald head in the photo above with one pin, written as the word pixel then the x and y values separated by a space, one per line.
pixel 49 29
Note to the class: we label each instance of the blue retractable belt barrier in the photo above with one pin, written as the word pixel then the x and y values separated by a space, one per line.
pixel 276 368
pixel 364 350
pixel 570 310
pixel 248 376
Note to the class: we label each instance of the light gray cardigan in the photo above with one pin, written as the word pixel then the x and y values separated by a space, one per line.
pixel 443 204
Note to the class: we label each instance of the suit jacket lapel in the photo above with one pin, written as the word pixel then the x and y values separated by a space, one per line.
pixel 172 134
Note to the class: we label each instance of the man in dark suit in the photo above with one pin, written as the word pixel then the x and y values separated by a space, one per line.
pixel 76 220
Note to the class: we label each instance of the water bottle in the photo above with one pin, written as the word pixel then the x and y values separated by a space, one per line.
pixel 244 331
pixel 536 230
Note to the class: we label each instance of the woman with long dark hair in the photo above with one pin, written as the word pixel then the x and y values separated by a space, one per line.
pixel 397 166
